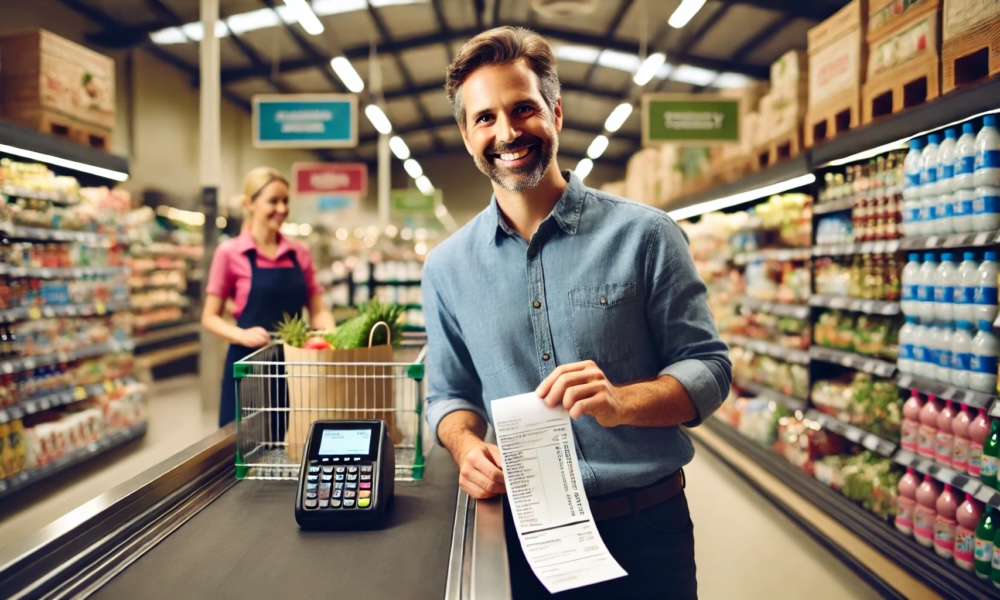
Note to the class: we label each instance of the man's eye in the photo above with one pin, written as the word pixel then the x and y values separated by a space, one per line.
pixel 484 118
pixel 524 110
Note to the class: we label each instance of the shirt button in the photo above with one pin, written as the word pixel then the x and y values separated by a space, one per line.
pixel 545 356
pixel 603 300
pixel 536 304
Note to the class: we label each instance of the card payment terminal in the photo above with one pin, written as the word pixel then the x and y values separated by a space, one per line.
pixel 347 475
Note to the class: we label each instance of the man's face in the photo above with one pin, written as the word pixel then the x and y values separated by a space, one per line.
pixel 510 131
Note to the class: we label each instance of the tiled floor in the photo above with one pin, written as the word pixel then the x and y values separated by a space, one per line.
pixel 745 547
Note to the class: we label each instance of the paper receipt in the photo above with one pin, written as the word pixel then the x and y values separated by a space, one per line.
pixel 551 513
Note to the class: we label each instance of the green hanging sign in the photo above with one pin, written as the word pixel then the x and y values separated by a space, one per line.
pixel 690 119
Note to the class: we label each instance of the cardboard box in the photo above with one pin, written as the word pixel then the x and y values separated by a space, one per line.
pixel 961 17
pixel 788 74
pixel 41 72
pixel 837 56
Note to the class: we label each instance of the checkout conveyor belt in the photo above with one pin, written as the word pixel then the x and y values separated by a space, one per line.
pixel 188 529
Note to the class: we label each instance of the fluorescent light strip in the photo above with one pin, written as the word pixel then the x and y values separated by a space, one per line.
pixel 721 203
pixel 62 162
pixel 617 117
pixel 685 12
pixel 305 16
pixel 649 67
pixel 399 147
pixel 597 147
pixel 424 185
pixel 413 168
pixel 345 71
pixel 378 118
pixel 583 168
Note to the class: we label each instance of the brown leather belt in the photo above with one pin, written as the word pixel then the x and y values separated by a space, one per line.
pixel 622 503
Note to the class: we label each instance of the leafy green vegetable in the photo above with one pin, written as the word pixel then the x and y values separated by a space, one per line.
pixel 354 332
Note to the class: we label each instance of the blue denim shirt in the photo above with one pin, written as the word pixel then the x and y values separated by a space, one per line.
pixel 604 279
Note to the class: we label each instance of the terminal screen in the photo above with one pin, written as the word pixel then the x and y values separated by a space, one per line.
pixel 340 442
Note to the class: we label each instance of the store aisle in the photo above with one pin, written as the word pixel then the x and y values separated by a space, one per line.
pixel 176 420
pixel 746 548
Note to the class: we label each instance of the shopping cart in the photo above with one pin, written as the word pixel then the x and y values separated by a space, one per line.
pixel 277 401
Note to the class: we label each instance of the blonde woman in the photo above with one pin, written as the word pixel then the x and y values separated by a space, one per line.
pixel 265 275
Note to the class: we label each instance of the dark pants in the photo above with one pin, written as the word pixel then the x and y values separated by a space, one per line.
pixel 655 547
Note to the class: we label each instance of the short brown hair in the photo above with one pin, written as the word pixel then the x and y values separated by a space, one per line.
pixel 502 46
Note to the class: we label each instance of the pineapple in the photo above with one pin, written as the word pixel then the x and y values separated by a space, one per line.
pixel 293 330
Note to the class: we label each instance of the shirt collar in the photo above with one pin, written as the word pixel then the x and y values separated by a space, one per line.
pixel 245 243
pixel 566 212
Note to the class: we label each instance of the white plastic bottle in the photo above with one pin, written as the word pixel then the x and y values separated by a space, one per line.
pixel 986 208
pixel 988 154
pixel 983 365
pixel 933 339
pixel 965 289
pixel 911 188
pixel 961 353
pixel 906 362
pixel 944 223
pixel 925 292
pixel 921 351
pixel 928 185
pixel 910 279
pixel 944 289
pixel 944 339
pixel 963 182
pixel 986 292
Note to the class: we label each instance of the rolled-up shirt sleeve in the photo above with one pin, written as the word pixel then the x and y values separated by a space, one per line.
pixel 451 377
pixel 690 347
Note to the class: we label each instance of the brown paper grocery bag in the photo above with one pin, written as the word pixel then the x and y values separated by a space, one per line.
pixel 329 384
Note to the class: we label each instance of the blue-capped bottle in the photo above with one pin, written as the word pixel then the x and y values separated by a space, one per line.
pixel 928 185
pixel 986 206
pixel 944 215
pixel 963 183
pixel 911 188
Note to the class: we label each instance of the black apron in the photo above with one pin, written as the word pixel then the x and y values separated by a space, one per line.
pixel 273 292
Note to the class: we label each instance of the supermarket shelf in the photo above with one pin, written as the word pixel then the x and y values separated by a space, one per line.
pixel 966 483
pixel 65 273
pixel 853 433
pixel 32 362
pixel 851 360
pixel 61 398
pixel 13 315
pixel 55 235
pixel 183 303
pixel 944 578
pixel 871 307
pixel 945 391
pixel 58 147
pixel 777 254
pixel 825 208
pixel 781 309
pixel 881 247
pixel 167 331
pixel 773 350
pixel 779 173
pixel 763 391
pixel 20 481
pixel 953 107
pixel 15 191
pixel 953 240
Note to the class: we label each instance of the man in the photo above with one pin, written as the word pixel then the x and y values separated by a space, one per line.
pixel 591 301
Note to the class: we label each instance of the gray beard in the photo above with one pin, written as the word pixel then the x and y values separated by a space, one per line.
pixel 519 179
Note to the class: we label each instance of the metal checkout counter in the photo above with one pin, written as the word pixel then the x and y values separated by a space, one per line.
pixel 188 528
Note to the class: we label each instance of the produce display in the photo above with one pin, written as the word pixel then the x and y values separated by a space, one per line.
pixel 866 478
pixel 868 276
pixel 868 402
pixel 871 335
pixel 788 378
pixel 788 332
pixel 755 418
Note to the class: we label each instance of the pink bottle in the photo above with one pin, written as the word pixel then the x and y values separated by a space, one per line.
pixel 945 440
pixel 945 523
pixel 960 448
pixel 926 511
pixel 911 421
pixel 968 516
pixel 906 502
pixel 979 429
pixel 927 434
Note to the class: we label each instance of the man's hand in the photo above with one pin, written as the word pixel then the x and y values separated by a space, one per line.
pixel 583 389
pixel 480 472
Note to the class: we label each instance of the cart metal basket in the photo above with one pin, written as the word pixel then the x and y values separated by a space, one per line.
pixel 277 400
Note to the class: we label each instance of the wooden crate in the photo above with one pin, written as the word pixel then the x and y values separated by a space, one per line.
pixel 830 119
pixel 782 147
pixel 970 49
pixel 42 72
pixel 59 125
pixel 889 90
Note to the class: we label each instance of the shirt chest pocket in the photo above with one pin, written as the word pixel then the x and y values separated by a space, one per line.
pixel 608 322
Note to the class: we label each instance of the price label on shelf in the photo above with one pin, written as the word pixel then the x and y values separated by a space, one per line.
pixel 985 494
pixel 933 241
pixel 34 313
pixel 871 442
pixel 981 239
pixel 109 386
pixel 100 308
pixel 79 393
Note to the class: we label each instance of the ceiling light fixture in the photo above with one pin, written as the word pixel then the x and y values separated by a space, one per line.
pixel 345 71
pixel 685 12
pixel 597 147
pixel 378 118
pixel 425 185
pixel 720 203
pixel 583 168
pixel 617 117
pixel 413 168
pixel 305 16
pixel 399 147
pixel 62 162
pixel 649 67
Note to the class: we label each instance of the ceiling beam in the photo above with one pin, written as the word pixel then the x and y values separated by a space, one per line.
pixel 438 86
pixel 615 22
pixel 753 43
pixel 696 37
pixel 443 27
pixel 814 10
pixel 450 122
